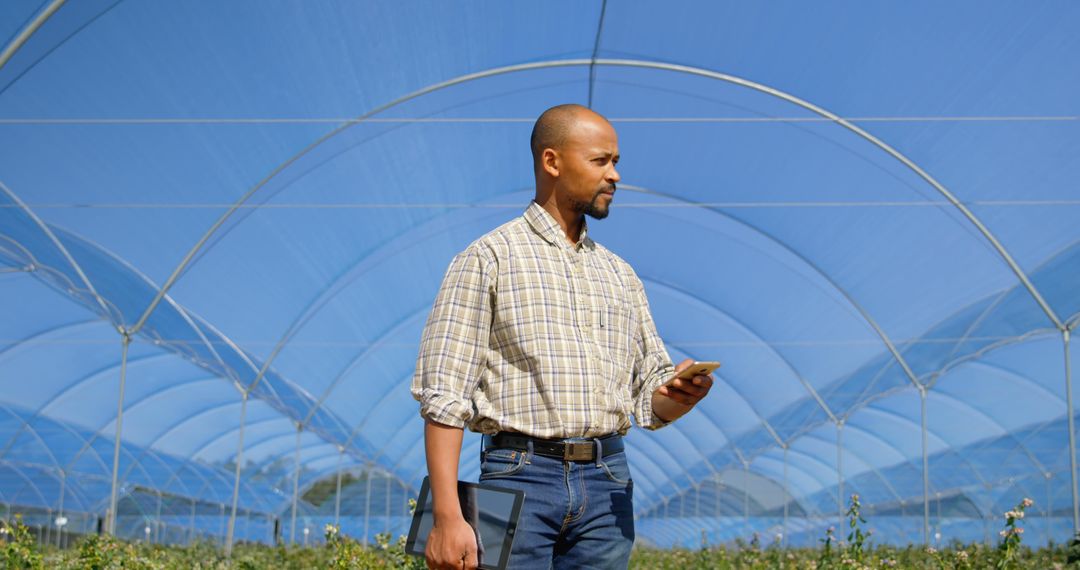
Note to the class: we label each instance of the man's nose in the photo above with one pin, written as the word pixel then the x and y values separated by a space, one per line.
pixel 613 175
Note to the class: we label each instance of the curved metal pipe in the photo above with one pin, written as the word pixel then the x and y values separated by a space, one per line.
pixel 28 31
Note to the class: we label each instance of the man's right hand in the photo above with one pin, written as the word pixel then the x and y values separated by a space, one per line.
pixel 451 545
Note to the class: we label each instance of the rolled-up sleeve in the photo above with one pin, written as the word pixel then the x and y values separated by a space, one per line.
pixel 652 367
pixel 453 348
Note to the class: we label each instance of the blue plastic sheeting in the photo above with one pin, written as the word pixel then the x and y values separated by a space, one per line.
pixel 850 205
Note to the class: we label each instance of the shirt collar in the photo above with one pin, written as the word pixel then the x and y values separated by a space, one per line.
pixel 545 225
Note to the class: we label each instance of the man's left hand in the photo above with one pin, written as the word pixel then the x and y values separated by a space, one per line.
pixel 678 396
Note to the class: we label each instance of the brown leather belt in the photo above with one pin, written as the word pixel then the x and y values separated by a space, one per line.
pixel 566 450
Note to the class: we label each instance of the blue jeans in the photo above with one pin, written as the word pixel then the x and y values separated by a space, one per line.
pixel 576 514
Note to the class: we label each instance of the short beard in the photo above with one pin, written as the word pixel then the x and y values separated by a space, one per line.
pixel 592 208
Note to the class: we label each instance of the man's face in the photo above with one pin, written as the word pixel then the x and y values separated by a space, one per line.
pixel 587 167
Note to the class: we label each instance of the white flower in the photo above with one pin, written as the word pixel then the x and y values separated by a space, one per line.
pixel 1004 533
pixel 4 530
pixel 962 556
pixel 931 550
pixel 1027 502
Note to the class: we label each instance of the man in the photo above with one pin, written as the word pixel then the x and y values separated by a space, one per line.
pixel 542 339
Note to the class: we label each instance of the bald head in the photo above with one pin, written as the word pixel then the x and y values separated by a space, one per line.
pixel 555 125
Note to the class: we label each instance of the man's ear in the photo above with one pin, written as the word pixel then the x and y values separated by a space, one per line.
pixel 549 161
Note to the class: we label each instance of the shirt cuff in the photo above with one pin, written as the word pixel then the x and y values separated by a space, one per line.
pixel 442 409
pixel 654 422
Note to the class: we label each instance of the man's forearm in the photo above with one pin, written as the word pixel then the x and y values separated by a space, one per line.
pixel 442 444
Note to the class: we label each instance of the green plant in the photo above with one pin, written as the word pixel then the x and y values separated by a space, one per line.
pixel 1012 535
pixel 856 538
pixel 826 557
pixel 20 550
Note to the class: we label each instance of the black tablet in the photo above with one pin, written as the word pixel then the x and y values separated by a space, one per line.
pixel 492 511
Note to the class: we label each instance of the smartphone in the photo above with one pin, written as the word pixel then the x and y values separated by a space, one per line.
pixel 698 368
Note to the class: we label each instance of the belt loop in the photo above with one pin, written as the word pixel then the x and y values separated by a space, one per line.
pixel 529 450
pixel 599 452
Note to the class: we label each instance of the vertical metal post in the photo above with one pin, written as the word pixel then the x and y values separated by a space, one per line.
pixel 221 519
pixel 337 494
pixel 157 521
pixel 1072 432
pixel 125 340
pixel 716 495
pixel 925 469
pixel 386 526
pixel 787 495
pixel 839 472
pixel 60 510
pixel 191 523
pixel 296 484
pixel 746 494
pixel 697 500
pixel 48 526
pixel 367 505
pixel 1048 511
pixel 229 534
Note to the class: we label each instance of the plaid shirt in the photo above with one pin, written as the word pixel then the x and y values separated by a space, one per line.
pixel 532 334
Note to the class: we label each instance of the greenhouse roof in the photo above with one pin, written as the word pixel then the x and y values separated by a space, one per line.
pixel 867 211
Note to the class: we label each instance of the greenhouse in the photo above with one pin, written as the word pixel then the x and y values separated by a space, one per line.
pixel 223 225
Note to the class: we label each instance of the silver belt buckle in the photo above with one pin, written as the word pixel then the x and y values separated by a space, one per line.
pixel 578 451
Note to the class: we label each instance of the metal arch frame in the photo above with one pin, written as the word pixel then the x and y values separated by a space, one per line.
pixel 170 470
pixel 903 420
pixel 57 244
pixel 92 376
pixel 125 333
pixel 180 311
pixel 736 321
pixel 749 331
pixel 944 444
pixel 75 434
pixel 1012 375
pixel 622 63
pixel 872 468
pixel 764 459
pixel 91 20
pixel 188 419
pixel 28 31
pixel 221 436
pixel 360 267
pixel 29 482
pixel 1004 435
pixel 365 261
pixel 670 67
pixel 1034 335
pixel 89 442
pixel 21 344
pixel 834 467
pixel 148 447
pixel 48 449
pixel 45 447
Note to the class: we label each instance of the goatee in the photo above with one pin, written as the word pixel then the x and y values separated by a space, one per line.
pixel 593 209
